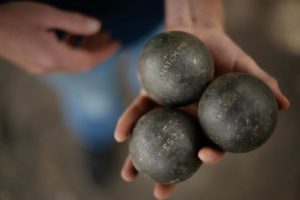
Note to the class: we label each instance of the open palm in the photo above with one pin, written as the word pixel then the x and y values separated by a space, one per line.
pixel 228 57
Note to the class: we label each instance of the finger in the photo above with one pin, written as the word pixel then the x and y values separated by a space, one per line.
pixel 283 102
pixel 39 71
pixel 247 64
pixel 128 172
pixel 73 40
pixel 163 191
pixel 101 46
pixel 126 122
pixel 105 51
pixel 96 41
pixel 210 155
pixel 70 22
pixel 78 59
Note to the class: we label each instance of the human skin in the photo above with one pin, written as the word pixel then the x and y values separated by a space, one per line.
pixel 28 39
pixel 204 19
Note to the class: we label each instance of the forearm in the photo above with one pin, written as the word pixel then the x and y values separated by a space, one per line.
pixel 191 14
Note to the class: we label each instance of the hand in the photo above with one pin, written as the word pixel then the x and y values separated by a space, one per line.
pixel 141 105
pixel 28 39
pixel 204 19
pixel 228 57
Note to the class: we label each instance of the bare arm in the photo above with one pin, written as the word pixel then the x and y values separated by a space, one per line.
pixel 193 14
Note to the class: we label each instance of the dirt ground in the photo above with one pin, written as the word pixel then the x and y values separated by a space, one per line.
pixel 39 158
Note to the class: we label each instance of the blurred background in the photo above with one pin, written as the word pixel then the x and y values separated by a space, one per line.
pixel 41 159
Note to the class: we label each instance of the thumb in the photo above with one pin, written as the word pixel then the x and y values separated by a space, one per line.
pixel 71 22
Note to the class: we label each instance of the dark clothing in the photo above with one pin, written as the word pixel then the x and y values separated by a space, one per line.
pixel 127 20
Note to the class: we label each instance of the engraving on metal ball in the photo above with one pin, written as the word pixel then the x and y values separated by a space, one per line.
pixel 171 58
pixel 164 145
pixel 170 141
pixel 174 68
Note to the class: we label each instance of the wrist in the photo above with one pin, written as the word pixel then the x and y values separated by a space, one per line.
pixel 194 14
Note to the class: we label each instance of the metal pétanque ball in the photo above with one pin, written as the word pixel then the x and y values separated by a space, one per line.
pixel 164 145
pixel 174 68
pixel 238 112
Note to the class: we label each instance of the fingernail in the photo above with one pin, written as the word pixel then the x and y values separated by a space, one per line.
pixel 92 25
